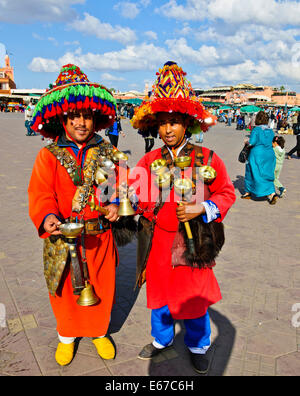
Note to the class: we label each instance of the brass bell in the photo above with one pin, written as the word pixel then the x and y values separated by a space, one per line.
pixel 125 208
pixel 87 297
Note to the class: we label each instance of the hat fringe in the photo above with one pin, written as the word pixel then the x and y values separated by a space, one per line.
pixel 145 115
pixel 74 97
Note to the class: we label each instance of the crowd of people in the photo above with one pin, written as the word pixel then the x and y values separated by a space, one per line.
pixel 16 108
pixel 126 110
pixel 278 119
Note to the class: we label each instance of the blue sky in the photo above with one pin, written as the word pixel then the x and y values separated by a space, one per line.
pixel 122 44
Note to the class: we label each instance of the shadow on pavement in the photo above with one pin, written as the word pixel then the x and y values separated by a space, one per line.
pixel 218 354
pixel 125 283
pixel 239 183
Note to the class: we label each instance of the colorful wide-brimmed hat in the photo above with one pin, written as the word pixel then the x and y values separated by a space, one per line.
pixel 173 93
pixel 72 91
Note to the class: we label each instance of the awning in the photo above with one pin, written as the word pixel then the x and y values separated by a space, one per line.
pixel 135 101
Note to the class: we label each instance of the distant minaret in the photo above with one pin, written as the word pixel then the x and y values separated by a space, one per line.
pixel 7 60
pixel 8 69
pixel 146 89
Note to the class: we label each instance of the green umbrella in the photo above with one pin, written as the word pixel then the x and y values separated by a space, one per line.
pixel 250 109
pixel 295 109
pixel 225 108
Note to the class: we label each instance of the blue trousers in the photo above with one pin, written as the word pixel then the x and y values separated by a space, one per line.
pixel 197 336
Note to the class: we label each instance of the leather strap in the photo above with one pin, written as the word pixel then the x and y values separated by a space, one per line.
pixel 96 226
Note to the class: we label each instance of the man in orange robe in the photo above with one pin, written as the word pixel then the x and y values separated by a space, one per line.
pixel 70 117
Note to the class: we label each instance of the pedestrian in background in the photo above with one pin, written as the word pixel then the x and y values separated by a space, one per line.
pixel 114 131
pixel 278 147
pixel 28 119
pixel 260 167
pixel 297 133
pixel 149 135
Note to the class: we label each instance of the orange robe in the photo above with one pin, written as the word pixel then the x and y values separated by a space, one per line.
pixel 51 191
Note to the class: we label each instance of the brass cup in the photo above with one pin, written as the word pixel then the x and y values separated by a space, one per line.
pixel 100 176
pixel 183 162
pixel 118 156
pixel 163 181
pixel 207 174
pixel 183 187
pixel 71 230
pixel 159 167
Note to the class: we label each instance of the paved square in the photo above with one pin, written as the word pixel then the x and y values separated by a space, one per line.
pixel 258 271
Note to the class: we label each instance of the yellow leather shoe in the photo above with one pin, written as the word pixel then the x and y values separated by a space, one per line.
pixel 64 353
pixel 105 348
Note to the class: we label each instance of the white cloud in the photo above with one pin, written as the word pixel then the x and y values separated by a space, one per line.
pixel 151 35
pixel 131 58
pixel 20 11
pixel 53 41
pixel 110 77
pixel 265 12
pixel 194 10
pixel 92 26
pixel 205 55
pixel 145 3
pixel 127 9
pixel 72 43
pixel 37 36
pixel 131 10
pixel 262 72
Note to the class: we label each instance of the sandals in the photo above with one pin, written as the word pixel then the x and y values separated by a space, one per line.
pixel 246 196
pixel 273 200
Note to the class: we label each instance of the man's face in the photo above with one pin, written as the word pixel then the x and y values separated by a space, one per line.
pixel 80 125
pixel 171 128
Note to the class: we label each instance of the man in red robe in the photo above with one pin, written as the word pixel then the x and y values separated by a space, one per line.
pixel 178 289
pixel 63 187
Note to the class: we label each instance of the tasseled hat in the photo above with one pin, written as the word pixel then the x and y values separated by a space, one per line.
pixel 73 91
pixel 173 93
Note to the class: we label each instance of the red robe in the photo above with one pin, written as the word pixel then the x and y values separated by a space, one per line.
pixel 51 190
pixel 187 291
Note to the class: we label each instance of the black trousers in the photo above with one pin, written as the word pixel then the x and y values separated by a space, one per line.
pixel 149 144
pixel 114 140
pixel 296 148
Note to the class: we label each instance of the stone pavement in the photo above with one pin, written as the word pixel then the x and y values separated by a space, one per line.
pixel 254 327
